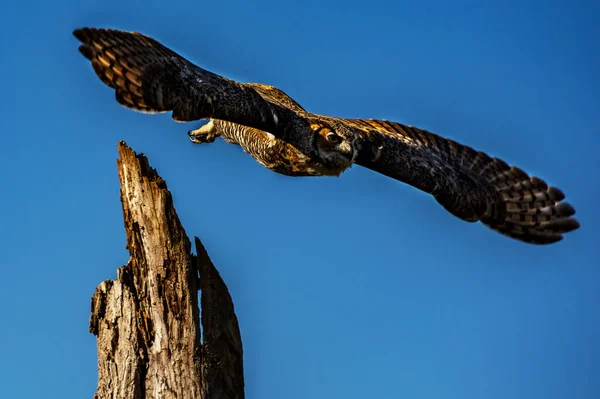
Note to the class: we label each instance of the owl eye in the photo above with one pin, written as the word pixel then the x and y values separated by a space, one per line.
pixel 333 138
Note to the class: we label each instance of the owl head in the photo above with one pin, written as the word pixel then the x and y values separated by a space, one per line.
pixel 332 144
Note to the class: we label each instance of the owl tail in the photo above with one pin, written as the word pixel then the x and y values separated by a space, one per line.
pixel 123 61
pixel 524 207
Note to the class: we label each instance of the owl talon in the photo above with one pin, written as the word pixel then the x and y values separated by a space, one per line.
pixel 201 138
pixel 206 134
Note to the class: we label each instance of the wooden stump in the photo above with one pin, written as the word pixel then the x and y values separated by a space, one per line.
pixel 147 320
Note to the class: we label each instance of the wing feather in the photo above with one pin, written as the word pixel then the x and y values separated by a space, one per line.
pixel 469 184
pixel 149 77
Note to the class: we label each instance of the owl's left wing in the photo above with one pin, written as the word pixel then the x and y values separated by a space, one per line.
pixel 469 184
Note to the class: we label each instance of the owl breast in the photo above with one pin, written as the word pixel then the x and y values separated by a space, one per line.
pixel 273 153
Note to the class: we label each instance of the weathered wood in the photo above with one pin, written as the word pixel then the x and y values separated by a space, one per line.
pixel 222 367
pixel 147 320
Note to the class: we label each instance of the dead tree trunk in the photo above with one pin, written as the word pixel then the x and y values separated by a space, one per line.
pixel 147 320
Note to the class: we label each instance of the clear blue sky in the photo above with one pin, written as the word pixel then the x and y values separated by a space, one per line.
pixel 357 287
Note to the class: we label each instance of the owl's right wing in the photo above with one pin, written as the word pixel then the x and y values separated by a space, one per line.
pixel 469 184
pixel 149 77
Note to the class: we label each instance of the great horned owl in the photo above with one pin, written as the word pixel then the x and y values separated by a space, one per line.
pixel 287 139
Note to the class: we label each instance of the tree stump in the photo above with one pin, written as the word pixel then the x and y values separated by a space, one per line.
pixel 147 320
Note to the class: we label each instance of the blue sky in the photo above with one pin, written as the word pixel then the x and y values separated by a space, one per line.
pixel 357 287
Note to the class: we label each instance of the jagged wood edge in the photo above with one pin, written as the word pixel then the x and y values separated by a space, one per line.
pixel 147 320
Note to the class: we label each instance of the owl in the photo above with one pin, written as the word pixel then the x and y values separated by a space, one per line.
pixel 284 137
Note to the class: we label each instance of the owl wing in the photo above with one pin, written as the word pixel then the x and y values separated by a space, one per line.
pixel 469 184
pixel 149 77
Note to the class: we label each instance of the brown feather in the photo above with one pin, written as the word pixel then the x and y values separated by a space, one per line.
pixel 469 184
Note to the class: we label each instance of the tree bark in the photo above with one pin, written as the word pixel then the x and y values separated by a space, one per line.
pixel 147 320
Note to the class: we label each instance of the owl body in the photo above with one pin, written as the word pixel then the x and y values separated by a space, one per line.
pixel 287 139
pixel 270 151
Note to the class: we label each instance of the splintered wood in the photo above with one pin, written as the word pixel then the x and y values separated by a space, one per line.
pixel 147 320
